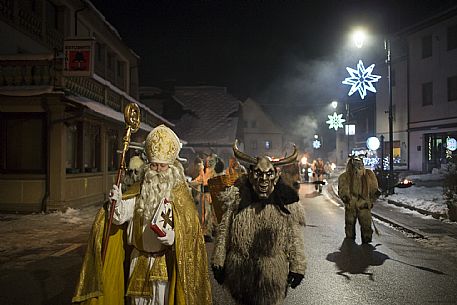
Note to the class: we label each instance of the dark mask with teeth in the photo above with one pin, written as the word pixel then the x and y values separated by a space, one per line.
pixel 263 173
pixel 263 176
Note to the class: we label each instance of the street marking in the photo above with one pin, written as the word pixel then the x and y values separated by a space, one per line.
pixel 67 249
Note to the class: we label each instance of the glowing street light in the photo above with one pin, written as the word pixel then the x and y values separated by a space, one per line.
pixel 334 104
pixel 359 36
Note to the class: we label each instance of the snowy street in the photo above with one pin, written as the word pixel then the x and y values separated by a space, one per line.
pixel 42 254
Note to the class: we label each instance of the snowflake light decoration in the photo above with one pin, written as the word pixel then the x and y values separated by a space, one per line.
pixel 316 144
pixel 361 79
pixel 335 121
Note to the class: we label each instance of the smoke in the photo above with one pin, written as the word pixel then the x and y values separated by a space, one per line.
pixel 304 127
pixel 301 94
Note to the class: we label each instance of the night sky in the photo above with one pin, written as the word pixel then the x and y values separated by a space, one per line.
pixel 246 45
pixel 288 55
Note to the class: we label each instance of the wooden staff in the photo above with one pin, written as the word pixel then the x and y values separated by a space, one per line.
pixel 132 124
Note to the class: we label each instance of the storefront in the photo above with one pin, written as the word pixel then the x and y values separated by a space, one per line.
pixel 439 147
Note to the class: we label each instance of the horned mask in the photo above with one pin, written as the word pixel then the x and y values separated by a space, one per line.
pixel 263 174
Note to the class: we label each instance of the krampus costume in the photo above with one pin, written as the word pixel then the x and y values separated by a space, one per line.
pixel 259 248
pixel 358 188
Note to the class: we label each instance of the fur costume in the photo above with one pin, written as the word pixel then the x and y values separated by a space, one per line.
pixel 358 188
pixel 259 242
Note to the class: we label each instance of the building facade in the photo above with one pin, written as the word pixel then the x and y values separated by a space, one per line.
pixel 261 135
pixel 65 79
pixel 424 90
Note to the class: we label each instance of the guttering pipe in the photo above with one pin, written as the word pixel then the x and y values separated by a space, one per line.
pixel 76 16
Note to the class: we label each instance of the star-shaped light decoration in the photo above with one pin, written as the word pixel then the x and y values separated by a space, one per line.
pixel 316 144
pixel 335 121
pixel 361 79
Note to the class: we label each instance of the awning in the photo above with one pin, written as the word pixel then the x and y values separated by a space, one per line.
pixel 104 110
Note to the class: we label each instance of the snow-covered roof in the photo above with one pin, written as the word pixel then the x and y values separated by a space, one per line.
pixel 131 99
pixel 212 116
pixel 104 110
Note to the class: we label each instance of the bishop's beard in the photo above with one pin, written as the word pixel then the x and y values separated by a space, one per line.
pixel 156 186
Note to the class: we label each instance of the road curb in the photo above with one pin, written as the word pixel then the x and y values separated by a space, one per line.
pixel 424 212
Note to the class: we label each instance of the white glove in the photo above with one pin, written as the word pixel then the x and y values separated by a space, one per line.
pixel 116 193
pixel 168 239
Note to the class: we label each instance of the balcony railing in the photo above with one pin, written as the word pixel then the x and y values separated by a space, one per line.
pixel 35 70
pixel 21 74
pixel 31 24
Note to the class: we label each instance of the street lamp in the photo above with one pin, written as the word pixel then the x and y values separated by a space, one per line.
pixel 358 37
pixel 390 181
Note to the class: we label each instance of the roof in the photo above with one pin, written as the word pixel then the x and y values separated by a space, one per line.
pixel 104 110
pixel 131 99
pixel 210 115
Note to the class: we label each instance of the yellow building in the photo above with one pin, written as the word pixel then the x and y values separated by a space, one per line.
pixel 65 78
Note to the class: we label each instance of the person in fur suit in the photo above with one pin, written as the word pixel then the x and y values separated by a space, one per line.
pixel 259 249
pixel 358 188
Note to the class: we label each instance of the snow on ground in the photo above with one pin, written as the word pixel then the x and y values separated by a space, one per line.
pixel 422 197
pixel 426 177
pixel 24 234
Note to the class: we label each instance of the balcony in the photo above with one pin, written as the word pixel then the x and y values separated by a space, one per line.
pixel 31 24
pixel 19 73
pixel 33 74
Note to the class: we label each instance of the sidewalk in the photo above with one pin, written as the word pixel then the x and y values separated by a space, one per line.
pixel 409 219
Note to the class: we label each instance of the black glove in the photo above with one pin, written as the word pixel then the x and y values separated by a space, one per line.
pixel 294 279
pixel 218 272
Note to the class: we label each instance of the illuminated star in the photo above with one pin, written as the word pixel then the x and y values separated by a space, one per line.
pixel 316 144
pixel 335 121
pixel 361 79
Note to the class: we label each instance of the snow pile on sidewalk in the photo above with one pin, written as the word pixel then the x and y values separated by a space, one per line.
pixel 426 198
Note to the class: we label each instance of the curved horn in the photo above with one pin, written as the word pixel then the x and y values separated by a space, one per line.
pixel 287 160
pixel 241 155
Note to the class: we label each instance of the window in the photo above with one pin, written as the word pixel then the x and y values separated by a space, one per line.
pixel 120 68
pixel 427 46
pixel 452 37
pixel 91 152
pixel 253 124
pixel 52 18
pixel 113 146
pixel 99 51
pixel 427 94
pixel 452 88
pixel 83 148
pixel 72 146
pixel 268 145
pixel 23 142
pixel 109 61
pixel 254 145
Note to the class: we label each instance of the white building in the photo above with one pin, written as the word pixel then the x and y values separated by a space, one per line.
pixel 424 93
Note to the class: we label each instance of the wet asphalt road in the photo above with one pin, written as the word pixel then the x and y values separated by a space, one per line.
pixel 395 270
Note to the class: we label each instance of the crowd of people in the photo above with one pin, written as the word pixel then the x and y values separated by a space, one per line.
pixel 154 253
